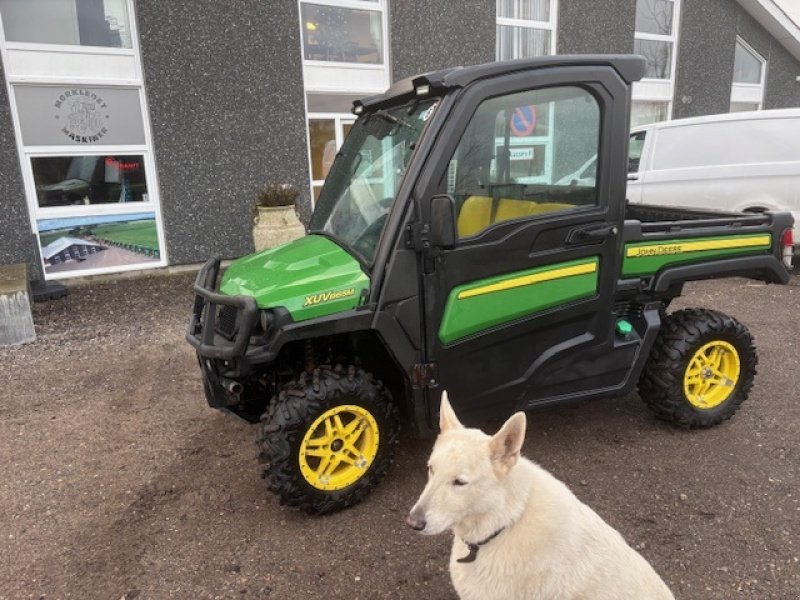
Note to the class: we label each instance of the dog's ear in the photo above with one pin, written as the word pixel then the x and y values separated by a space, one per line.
pixel 447 417
pixel 505 445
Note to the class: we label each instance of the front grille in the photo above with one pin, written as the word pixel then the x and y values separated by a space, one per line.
pixel 226 321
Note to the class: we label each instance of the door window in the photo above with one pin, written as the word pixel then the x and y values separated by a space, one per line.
pixel 635 147
pixel 503 170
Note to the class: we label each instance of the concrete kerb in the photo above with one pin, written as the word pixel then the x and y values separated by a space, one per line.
pixel 16 319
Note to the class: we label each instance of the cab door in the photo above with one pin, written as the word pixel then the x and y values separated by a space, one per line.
pixel 519 311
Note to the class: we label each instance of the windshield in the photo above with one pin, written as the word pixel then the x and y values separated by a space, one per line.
pixel 366 174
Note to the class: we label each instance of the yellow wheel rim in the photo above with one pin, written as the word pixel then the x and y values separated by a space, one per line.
pixel 711 375
pixel 339 447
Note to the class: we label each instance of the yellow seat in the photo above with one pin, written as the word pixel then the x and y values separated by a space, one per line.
pixel 476 212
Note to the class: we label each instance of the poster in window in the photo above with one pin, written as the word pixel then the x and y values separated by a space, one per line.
pixel 72 245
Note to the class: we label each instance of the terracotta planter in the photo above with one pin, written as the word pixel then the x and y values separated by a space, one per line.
pixel 276 225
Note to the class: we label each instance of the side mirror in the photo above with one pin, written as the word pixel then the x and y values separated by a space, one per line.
pixel 443 222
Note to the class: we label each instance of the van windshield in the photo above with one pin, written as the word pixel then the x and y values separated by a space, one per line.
pixel 366 174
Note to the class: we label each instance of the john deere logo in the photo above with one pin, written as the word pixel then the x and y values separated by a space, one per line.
pixel 328 296
pixel 82 115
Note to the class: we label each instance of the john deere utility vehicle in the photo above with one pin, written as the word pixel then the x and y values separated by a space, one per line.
pixel 450 249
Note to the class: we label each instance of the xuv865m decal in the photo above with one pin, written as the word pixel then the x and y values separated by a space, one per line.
pixel 479 305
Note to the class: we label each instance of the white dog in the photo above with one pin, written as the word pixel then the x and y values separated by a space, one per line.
pixel 519 532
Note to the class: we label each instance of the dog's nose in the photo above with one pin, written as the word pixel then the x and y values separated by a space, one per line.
pixel 415 523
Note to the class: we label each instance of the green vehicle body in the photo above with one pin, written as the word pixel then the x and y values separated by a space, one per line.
pixel 310 277
pixel 561 299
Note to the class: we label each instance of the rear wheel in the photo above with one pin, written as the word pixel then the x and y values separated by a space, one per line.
pixel 700 370
pixel 328 438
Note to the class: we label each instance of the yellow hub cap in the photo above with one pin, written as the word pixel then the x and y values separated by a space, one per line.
pixel 339 447
pixel 711 374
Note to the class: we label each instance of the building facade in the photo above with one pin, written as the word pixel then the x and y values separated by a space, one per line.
pixel 135 134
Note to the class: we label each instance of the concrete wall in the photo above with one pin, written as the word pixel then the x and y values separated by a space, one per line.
pixel 706 45
pixel 592 27
pixel 706 42
pixel 17 243
pixel 225 89
pixel 427 35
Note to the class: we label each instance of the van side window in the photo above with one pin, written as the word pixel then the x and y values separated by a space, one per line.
pixel 525 155
pixel 635 146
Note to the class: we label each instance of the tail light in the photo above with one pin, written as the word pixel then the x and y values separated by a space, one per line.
pixel 788 248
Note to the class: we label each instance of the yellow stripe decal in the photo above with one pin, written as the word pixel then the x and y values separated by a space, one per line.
pixel 516 282
pixel 698 246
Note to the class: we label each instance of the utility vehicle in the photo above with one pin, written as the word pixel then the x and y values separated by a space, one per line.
pixel 446 252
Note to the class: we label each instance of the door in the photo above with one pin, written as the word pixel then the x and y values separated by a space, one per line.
pixel 519 312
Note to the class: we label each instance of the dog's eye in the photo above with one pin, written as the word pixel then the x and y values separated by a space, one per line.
pixel 459 482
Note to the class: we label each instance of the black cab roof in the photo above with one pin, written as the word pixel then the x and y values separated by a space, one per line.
pixel 630 67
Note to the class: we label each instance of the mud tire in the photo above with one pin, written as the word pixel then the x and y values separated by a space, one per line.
pixel 682 334
pixel 293 411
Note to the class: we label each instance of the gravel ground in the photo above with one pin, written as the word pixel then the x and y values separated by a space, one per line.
pixel 120 483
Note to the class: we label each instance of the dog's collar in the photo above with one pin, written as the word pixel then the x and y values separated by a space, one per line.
pixel 473 548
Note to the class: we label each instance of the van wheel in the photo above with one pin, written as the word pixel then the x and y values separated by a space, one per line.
pixel 328 438
pixel 700 370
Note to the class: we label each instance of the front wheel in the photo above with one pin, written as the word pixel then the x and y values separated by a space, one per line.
pixel 328 438
pixel 700 370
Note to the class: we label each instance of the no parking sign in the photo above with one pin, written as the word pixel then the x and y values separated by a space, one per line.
pixel 523 121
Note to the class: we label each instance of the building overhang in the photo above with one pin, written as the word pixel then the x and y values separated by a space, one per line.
pixel 772 18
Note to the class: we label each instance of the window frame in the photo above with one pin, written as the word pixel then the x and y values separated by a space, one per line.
pixel 146 150
pixel 378 6
pixel 551 25
pixel 746 92
pixel 79 48
pixel 600 205
pixel 653 89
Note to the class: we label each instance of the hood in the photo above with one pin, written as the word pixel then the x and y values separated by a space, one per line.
pixel 310 277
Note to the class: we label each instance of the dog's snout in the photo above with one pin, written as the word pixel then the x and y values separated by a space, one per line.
pixel 416 523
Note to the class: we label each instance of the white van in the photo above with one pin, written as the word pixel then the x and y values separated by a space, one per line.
pixel 743 162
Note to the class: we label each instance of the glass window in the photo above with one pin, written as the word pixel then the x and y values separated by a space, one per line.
pixel 525 28
pixel 654 16
pixel 493 179
pixel 322 135
pixel 364 179
pixel 98 242
pixel 51 115
pixel 337 34
pixel 74 22
pixel 635 147
pixel 658 55
pixel 744 106
pixel 644 112
pixel 747 65
pixel 529 10
pixel 85 180
pixel 521 42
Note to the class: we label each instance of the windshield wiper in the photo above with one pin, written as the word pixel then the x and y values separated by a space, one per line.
pixel 392 119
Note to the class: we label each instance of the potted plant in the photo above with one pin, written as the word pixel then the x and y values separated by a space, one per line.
pixel 275 221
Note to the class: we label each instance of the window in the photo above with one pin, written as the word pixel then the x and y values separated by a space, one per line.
pixel 749 74
pixel 326 133
pixel 655 36
pixel 342 34
pixel 656 40
pixel 84 180
pixel 635 147
pixel 644 112
pixel 493 177
pixel 525 28
pixel 102 23
pixel 76 97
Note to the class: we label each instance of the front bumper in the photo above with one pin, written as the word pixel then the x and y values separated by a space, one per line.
pixel 202 332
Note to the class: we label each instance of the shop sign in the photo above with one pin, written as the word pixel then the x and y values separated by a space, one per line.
pixel 76 115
